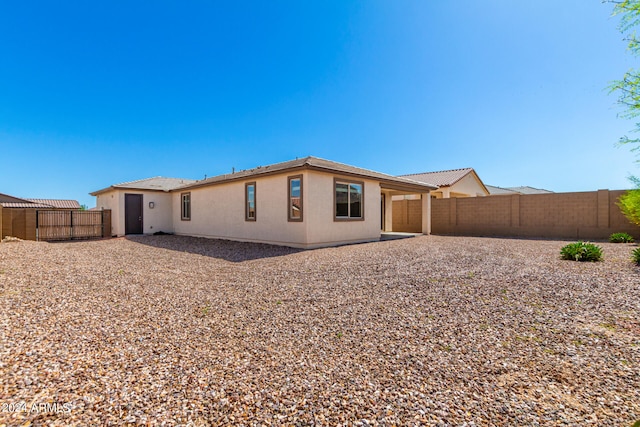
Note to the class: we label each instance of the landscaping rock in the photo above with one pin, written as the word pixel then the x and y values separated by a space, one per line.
pixel 437 331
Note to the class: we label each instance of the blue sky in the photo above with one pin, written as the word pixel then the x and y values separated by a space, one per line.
pixel 96 93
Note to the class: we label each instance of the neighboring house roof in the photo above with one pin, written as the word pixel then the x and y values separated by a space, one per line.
pixel 7 198
pixel 22 205
pixel 445 178
pixel 441 178
pixel 57 203
pixel 7 201
pixel 499 190
pixel 529 190
pixel 317 164
pixel 157 183
pixel 525 189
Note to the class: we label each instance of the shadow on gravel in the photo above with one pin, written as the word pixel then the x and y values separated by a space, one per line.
pixel 215 248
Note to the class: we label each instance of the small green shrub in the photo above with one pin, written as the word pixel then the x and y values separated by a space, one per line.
pixel 635 255
pixel 629 204
pixel 621 238
pixel 581 251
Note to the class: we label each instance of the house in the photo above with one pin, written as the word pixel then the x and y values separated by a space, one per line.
pixel 305 203
pixel 452 183
pixel 129 214
pixel 493 190
pixel 407 210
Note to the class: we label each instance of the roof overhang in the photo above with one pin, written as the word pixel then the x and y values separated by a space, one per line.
pixel 115 187
pixel 104 190
pixel 391 183
pixel 407 188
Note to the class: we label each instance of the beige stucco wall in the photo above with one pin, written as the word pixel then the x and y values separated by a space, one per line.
pixel 217 211
pixel 319 211
pixel 157 219
pixel 160 218
pixel 468 186
pixel 111 200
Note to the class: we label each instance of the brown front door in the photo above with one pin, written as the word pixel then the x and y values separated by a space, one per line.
pixel 133 214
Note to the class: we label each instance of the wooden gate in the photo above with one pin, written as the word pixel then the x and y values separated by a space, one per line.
pixel 407 216
pixel 70 225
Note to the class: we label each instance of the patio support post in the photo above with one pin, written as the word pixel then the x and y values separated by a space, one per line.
pixel 426 213
pixel 388 211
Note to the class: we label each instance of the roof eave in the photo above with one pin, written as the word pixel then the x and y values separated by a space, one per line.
pixel 115 187
pixel 239 178
pixel 104 190
pixel 388 183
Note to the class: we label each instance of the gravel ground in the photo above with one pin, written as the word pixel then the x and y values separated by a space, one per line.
pixel 425 331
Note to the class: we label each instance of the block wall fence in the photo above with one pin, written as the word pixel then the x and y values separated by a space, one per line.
pixel 583 215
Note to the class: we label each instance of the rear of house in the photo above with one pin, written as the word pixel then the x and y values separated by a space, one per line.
pixel 300 209
pixel 303 203
pixel 140 207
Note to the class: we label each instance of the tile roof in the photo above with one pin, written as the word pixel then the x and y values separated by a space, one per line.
pixel 22 205
pixel 440 178
pixel 57 203
pixel 524 189
pixel 499 190
pixel 158 183
pixel 7 198
pixel 7 201
pixel 316 163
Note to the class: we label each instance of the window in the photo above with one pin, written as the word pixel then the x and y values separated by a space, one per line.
pixel 295 198
pixel 250 201
pixel 185 206
pixel 349 197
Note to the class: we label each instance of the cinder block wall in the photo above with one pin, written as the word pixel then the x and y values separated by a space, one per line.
pixel 583 215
